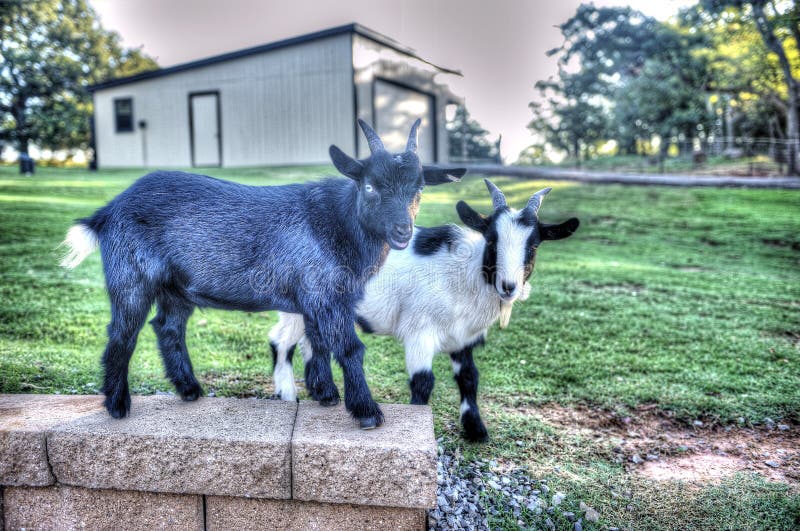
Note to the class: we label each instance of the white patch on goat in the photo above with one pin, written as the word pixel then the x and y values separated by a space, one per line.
pixel 464 407
pixel 81 241
pixel 512 237
pixel 284 380
pixel 505 313
pixel 289 332
pixel 306 350
pixel 456 367
pixel 419 353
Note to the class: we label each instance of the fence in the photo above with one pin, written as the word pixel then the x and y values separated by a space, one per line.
pixel 740 156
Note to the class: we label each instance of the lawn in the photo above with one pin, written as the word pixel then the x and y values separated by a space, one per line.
pixel 683 302
pixel 715 165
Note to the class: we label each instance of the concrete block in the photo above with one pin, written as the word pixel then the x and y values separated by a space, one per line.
pixel 335 461
pixel 78 508
pixel 24 420
pixel 219 446
pixel 224 513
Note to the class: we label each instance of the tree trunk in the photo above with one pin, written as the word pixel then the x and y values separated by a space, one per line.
pixel 792 124
pixel 729 136
pixel 577 151
pixel 793 134
pixel 663 149
pixel 627 146
pixel 23 137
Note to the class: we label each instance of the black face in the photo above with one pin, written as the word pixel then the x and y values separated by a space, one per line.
pixel 531 246
pixel 388 196
pixel 389 186
pixel 488 227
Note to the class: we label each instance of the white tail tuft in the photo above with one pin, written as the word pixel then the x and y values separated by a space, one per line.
pixel 81 241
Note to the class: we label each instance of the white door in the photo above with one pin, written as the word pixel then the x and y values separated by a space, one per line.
pixel 396 108
pixel 204 126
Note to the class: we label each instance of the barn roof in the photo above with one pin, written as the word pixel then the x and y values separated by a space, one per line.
pixel 357 29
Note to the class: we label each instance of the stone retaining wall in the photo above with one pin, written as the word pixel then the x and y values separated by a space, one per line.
pixel 218 463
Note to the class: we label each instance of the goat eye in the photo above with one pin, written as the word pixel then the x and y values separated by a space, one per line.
pixel 369 188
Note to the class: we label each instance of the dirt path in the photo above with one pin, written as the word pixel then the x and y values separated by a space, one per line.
pixel 657 446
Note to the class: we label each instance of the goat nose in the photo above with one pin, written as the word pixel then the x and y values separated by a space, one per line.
pixel 508 287
pixel 402 230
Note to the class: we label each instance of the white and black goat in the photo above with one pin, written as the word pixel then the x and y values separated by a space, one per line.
pixel 442 295
pixel 181 241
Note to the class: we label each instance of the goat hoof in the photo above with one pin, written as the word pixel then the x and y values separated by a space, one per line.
pixel 476 436
pixel 191 393
pixel 369 417
pixel 368 424
pixel 474 430
pixel 328 402
pixel 118 406
pixel 325 395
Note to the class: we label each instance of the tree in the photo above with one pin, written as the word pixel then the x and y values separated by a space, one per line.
pixel 778 23
pixel 636 77
pixel 661 102
pixel 743 76
pixel 50 51
pixel 534 155
pixel 568 121
pixel 468 139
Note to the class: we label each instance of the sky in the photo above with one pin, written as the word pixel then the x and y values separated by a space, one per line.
pixel 499 45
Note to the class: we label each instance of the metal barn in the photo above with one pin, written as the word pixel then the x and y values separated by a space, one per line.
pixel 280 103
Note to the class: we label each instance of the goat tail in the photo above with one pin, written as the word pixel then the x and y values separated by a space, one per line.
pixel 81 241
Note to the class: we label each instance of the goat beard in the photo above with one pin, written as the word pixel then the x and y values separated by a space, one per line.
pixel 505 313
pixel 506 307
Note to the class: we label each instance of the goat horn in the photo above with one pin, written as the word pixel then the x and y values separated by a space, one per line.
pixel 412 136
pixel 373 139
pixel 536 200
pixel 498 199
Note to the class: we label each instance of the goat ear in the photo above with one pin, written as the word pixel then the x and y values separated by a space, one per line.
pixel 346 165
pixel 471 219
pixel 559 231
pixel 440 174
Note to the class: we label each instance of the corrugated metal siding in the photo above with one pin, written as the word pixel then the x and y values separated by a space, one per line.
pixel 373 61
pixel 281 107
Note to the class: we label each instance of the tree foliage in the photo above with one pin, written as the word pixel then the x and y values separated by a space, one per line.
pixel 468 139
pixel 778 24
pixel 630 78
pixel 50 51
pixel 571 124
pixel 623 77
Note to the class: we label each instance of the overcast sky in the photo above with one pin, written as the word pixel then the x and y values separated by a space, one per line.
pixel 499 45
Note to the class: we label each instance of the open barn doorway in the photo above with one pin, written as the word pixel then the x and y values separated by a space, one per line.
pixel 395 107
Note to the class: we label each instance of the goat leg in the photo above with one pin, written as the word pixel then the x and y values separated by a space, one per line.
pixel 466 376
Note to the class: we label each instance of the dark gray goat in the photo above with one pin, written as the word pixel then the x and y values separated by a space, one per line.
pixel 180 241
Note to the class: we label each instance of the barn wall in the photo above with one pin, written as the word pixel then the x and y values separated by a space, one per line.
pixel 285 106
pixel 372 60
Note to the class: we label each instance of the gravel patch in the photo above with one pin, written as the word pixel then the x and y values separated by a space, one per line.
pixel 471 493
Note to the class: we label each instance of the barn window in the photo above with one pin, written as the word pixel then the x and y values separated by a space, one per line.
pixel 123 114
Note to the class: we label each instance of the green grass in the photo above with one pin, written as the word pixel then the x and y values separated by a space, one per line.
pixel 714 165
pixel 688 299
